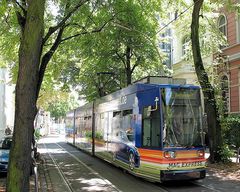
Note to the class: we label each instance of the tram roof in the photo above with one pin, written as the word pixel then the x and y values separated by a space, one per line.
pixel 142 87
pixel 131 89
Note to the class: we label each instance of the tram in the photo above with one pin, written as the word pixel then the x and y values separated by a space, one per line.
pixel 153 130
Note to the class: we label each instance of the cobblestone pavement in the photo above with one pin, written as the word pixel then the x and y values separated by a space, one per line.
pixel 44 184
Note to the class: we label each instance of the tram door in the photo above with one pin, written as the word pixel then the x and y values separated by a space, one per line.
pixel 151 125
pixel 109 131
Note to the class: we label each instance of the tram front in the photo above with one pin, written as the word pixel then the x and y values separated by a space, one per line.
pixel 182 133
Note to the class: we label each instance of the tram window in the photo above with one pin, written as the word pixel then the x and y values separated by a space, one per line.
pixel 102 116
pixel 147 111
pixel 115 113
pixel 126 124
pixel 127 112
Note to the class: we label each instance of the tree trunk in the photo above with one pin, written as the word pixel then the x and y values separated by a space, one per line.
pixel 26 97
pixel 214 128
pixel 128 66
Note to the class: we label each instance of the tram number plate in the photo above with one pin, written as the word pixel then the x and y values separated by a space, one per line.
pixel 187 164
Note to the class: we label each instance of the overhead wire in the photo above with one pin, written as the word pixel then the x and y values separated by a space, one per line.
pixel 177 17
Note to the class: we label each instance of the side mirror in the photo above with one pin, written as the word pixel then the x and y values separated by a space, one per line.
pixel 156 105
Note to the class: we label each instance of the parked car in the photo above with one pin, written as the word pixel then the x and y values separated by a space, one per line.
pixel 5 145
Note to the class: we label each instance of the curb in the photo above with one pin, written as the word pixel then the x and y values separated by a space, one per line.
pixel 44 178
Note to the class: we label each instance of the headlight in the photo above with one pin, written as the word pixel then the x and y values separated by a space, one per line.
pixel 200 153
pixel 169 154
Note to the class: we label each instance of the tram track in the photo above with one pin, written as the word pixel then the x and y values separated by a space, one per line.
pixel 65 178
pixel 205 186
pixel 90 169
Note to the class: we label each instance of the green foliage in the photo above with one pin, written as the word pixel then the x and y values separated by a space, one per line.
pixel 210 37
pixel 37 134
pixel 9 36
pixel 98 135
pixel 231 130
pixel 225 153
pixel 59 108
pixel 88 134
pixel 2 64
pixel 131 25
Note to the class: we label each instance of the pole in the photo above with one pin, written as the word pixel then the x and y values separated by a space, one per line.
pixel 93 129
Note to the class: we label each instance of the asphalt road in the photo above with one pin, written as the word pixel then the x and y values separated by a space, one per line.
pixel 71 169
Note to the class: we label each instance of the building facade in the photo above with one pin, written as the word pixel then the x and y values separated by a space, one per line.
pixel 225 65
pixel 229 65
pixel 6 102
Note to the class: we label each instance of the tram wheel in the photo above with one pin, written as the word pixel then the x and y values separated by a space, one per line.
pixel 131 161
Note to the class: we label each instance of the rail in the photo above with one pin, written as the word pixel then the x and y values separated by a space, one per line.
pixel 35 172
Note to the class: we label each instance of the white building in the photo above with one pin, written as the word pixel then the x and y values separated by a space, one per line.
pixel 183 68
pixel 43 122
pixel 7 103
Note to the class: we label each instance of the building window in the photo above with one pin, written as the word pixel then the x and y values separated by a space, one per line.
pixel 238 27
pixel 225 93
pixel 222 24
pixel 185 45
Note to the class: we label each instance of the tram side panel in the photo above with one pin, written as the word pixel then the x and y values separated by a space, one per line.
pixel 69 129
pixel 83 128
pixel 102 134
pixel 114 133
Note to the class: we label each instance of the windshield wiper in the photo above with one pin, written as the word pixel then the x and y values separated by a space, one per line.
pixel 192 146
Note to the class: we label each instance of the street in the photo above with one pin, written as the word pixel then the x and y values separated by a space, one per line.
pixel 71 169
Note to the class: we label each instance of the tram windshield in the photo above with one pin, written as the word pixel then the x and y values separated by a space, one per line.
pixel 182 117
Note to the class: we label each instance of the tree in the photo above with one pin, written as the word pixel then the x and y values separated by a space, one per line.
pixel 41 34
pixel 126 45
pixel 214 127
pixel 37 46
pixel 58 109
pixel 31 22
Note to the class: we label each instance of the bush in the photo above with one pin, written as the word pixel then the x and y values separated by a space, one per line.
pixel 231 130
pixel 37 134
pixel 98 135
pixel 226 153
pixel 88 134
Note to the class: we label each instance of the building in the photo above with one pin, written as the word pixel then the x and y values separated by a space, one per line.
pixel 183 68
pixel 225 65
pixel 6 102
pixel 229 60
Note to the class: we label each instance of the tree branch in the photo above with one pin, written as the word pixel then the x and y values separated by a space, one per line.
pixel 21 20
pixel 22 8
pixel 52 30
pixel 21 17
pixel 122 59
pixel 46 58
pixel 75 25
pixel 134 66
pixel 137 62
pixel 85 32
